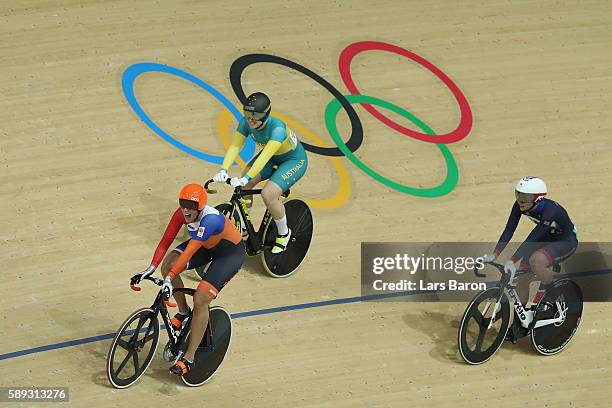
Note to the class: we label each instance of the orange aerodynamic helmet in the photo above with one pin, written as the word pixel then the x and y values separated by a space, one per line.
pixel 193 196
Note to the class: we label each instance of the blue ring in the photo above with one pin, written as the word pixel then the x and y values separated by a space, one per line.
pixel 127 83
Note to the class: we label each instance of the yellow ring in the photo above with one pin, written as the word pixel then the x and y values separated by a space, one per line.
pixel 343 192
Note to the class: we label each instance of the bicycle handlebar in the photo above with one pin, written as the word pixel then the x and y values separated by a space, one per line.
pixel 210 191
pixel 500 267
pixel 156 281
pixel 241 192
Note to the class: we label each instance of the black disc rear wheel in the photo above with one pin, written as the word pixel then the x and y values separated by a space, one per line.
pixel 553 338
pixel 299 221
pixel 208 359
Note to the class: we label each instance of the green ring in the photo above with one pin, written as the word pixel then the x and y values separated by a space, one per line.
pixel 452 174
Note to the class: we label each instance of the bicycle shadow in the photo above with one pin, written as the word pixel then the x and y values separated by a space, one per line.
pixel 170 385
pixel 252 265
pixel 94 353
pixel 157 372
pixel 441 327
pixel 524 346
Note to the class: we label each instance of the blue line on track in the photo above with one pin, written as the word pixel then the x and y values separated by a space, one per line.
pixel 259 312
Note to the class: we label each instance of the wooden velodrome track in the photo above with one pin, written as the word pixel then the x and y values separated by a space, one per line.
pixel 87 189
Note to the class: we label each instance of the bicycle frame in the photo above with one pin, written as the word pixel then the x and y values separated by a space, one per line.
pixel 177 340
pixel 255 239
pixel 254 242
pixel 160 307
pixel 526 317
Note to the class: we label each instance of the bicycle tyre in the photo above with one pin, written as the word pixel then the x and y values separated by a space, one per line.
pixel 553 338
pixel 112 371
pixel 286 263
pixel 475 355
pixel 208 362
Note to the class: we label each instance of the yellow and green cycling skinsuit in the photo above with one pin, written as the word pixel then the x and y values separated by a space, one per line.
pixel 282 160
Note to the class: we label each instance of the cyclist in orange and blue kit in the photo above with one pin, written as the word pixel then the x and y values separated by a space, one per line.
pixel 214 239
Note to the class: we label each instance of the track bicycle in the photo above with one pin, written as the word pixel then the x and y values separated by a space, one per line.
pixel 260 242
pixel 486 320
pixel 136 341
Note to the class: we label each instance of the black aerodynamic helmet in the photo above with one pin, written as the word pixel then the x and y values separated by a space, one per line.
pixel 258 106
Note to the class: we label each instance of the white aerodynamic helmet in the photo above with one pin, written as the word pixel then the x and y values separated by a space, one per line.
pixel 530 190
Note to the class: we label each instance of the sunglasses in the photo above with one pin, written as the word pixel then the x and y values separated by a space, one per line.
pixel 254 115
pixel 188 204
pixel 525 198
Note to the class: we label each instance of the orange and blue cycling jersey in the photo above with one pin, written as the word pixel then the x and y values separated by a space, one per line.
pixel 211 230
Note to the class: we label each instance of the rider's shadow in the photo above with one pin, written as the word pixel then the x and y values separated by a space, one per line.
pixel 441 327
pixel 252 265
pixel 158 372
pixel 96 353
pixel 524 346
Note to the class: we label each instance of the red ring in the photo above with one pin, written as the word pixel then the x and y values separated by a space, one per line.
pixel 465 125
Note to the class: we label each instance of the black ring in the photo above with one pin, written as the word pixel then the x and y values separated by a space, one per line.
pixel 240 64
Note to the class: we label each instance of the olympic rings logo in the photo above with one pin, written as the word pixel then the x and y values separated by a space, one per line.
pixel 340 101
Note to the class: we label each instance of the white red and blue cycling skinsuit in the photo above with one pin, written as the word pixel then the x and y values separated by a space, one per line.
pixel 554 235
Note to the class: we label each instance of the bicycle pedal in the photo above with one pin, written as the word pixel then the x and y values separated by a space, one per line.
pixel 511 338
pixel 516 332
pixel 168 355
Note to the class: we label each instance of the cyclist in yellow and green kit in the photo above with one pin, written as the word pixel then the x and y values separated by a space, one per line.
pixel 282 161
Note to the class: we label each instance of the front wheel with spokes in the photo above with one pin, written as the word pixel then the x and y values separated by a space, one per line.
pixel 481 334
pixel 133 348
